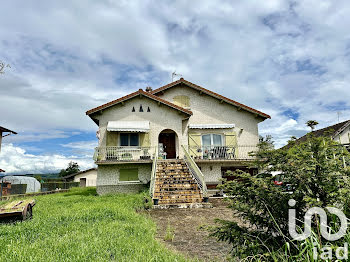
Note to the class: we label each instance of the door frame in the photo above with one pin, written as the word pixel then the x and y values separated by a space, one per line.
pixel 170 131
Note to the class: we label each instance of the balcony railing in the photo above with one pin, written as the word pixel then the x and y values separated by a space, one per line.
pixel 222 152
pixel 123 153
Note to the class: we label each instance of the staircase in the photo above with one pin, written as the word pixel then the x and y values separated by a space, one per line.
pixel 174 184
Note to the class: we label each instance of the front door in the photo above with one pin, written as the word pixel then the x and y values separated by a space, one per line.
pixel 168 141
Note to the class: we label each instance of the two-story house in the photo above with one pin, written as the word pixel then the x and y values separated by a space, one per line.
pixel 179 138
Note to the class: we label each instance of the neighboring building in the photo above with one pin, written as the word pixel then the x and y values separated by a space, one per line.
pixel 339 132
pixel 85 178
pixel 179 120
pixel 5 131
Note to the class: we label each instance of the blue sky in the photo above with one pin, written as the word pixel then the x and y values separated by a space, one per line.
pixel 289 59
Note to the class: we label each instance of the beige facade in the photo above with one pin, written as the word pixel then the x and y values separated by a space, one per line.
pixel 89 177
pixel 184 113
pixel 161 117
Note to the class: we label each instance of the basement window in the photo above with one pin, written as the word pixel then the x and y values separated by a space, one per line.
pixel 129 174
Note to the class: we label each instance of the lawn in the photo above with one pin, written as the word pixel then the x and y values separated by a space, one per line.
pixel 79 226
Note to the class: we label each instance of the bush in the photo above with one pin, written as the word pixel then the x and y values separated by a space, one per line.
pixel 316 176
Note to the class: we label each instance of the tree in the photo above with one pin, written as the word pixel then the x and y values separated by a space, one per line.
pixel 313 175
pixel 72 168
pixel 312 124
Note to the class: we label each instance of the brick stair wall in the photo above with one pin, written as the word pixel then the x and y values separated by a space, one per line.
pixel 175 185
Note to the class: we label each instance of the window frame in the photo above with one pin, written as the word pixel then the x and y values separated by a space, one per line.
pixel 212 139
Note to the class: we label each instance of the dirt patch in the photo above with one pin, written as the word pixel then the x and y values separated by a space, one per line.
pixel 187 228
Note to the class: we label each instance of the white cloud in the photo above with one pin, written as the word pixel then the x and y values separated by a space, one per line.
pixel 275 56
pixel 15 160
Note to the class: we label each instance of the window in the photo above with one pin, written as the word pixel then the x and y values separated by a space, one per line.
pixel 212 140
pixel 129 139
pixel 129 174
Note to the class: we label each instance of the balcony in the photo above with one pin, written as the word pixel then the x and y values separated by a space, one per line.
pixel 209 153
pixel 123 154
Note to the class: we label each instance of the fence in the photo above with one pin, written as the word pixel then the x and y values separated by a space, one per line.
pixel 8 189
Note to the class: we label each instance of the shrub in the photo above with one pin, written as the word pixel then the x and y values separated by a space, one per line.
pixel 316 176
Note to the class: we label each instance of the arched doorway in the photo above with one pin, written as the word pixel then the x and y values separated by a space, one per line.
pixel 168 138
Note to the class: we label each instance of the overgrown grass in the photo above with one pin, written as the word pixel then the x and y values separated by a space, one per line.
pixel 79 226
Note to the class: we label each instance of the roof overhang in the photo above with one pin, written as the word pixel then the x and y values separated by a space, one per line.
pixel 128 126
pixel 211 126
pixel 5 130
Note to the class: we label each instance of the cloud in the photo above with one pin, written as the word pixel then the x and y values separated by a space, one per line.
pixel 15 160
pixel 276 56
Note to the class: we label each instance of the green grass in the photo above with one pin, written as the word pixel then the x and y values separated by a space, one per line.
pixel 79 226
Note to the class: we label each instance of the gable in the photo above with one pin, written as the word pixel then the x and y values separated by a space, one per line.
pixel 184 83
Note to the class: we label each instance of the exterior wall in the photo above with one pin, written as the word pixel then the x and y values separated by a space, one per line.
pixel 126 188
pixel 212 171
pixel 209 110
pixel 161 117
pixel 90 176
pixel 344 137
pixel 108 178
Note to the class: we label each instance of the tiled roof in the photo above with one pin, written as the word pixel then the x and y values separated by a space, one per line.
pixel 1 170
pixel 330 131
pixel 139 92
pixel 3 129
pixel 211 93
pixel 80 172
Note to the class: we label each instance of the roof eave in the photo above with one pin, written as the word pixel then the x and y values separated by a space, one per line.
pixel 132 95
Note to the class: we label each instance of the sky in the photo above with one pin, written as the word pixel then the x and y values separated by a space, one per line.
pixel 289 59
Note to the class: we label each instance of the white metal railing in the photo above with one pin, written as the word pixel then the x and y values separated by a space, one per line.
pixel 222 152
pixel 123 153
pixel 154 172
pixel 195 171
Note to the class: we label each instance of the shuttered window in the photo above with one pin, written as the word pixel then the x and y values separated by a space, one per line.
pixel 129 174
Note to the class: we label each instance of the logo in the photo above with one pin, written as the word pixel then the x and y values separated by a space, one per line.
pixel 325 232
pixel 341 252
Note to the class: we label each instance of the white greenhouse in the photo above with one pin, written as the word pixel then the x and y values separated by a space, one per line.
pixel 33 185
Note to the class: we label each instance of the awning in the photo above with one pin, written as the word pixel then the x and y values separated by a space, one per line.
pixel 128 126
pixel 211 126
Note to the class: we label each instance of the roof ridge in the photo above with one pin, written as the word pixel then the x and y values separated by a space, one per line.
pixel 182 80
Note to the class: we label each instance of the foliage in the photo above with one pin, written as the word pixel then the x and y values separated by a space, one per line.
pixel 170 233
pixel 72 168
pixel 83 227
pixel 313 175
pixel 312 124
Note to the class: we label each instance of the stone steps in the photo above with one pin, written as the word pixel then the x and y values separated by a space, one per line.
pixel 175 184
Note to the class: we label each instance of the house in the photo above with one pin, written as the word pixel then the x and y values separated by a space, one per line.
pixel 178 132
pixel 85 178
pixel 339 132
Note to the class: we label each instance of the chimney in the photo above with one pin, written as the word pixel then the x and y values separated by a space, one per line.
pixel 148 89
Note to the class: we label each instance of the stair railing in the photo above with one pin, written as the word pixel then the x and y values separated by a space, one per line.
pixel 154 172
pixel 195 171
